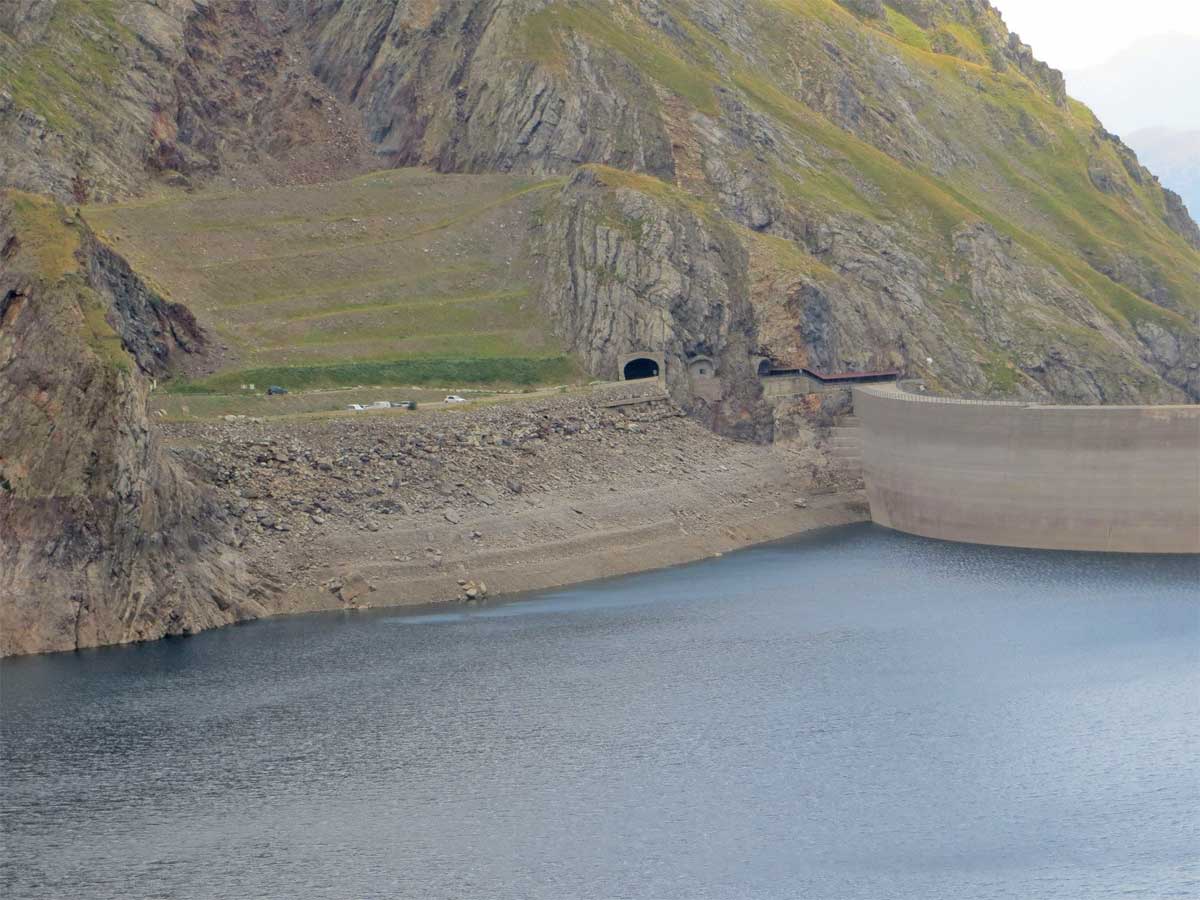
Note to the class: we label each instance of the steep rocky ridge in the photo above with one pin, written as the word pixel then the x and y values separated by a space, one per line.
pixel 869 143
pixel 99 98
pixel 631 265
pixel 105 540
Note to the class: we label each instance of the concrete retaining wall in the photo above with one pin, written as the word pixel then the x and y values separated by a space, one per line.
pixel 1055 477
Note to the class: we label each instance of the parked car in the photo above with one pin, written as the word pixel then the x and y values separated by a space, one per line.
pixel 381 404
pixel 356 407
pixel 405 404
pixel 454 398
pixel 275 389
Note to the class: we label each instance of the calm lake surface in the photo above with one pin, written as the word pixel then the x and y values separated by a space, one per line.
pixel 855 714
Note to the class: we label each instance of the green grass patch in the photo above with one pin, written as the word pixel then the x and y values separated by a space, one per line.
pixel 44 234
pixel 1001 374
pixel 650 52
pixel 787 255
pixel 65 74
pixel 660 190
pixel 907 30
pixel 99 335
pixel 444 371
pixel 390 266
pixel 907 192
pixel 970 46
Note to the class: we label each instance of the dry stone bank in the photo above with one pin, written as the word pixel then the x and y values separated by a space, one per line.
pixel 434 506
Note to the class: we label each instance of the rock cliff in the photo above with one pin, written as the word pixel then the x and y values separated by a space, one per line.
pixel 100 97
pixel 105 539
pixel 634 265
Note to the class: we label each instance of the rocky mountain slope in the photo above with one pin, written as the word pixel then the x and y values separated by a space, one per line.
pixel 1175 155
pixel 931 191
pixel 1146 93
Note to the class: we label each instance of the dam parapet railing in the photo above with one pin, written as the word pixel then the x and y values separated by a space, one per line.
pixel 899 393
pixel 1013 473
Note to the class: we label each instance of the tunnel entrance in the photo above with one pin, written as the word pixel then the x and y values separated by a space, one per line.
pixel 639 368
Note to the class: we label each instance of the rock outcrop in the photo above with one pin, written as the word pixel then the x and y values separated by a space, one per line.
pixel 632 266
pixel 105 539
pixel 99 100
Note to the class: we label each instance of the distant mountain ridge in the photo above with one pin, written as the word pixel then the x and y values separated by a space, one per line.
pixel 1148 94
pixel 1175 157
pixel 1150 84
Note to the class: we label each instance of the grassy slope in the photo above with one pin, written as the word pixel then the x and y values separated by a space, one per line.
pixel 79 58
pixel 1035 189
pixel 401 277
pixel 51 242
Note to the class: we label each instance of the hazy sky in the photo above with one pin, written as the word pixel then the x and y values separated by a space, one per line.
pixel 1073 34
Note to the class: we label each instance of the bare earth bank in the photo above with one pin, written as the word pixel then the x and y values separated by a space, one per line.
pixel 413 508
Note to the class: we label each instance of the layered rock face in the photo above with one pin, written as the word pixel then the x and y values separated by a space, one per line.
pixel 97 99
pixel 105 539
pixel 631 267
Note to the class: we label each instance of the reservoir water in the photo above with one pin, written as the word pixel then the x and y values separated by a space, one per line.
pixel 854 714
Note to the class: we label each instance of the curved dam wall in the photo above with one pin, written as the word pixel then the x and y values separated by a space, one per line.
pixel 1124 479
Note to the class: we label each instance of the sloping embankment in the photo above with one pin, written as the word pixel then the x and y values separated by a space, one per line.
pixel 399 508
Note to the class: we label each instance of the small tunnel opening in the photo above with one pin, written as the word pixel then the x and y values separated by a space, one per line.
pixel 764 368
pixel 640 368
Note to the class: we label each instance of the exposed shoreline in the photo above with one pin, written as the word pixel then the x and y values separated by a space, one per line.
pixel 410 509
pixel 613 550
pixel 469 504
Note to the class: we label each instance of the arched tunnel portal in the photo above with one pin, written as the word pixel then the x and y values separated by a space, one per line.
pixel 638 366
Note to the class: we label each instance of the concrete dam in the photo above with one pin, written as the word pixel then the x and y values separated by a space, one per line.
pixel 1104 478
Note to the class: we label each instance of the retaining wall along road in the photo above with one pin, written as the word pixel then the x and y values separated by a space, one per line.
pixel 1118 478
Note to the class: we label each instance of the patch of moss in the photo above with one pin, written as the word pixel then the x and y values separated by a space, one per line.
pixel 64 76
pixel 910 194
pixel 653 187
pixel 1001 374
pixel 827 12
pixel 44 233
pixel 788 255
pixel 100 336
pixel 614 29
pixel 967 42
pixel 907 30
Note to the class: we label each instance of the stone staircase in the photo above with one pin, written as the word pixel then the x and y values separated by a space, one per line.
pixel 845 443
